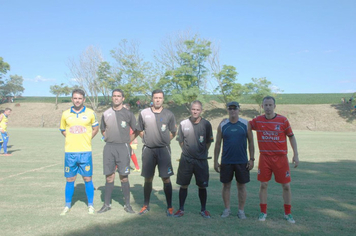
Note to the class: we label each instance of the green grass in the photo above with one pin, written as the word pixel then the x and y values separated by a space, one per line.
pixel 297 98
pixel 32 193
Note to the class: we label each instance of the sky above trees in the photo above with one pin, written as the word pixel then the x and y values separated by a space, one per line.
pixel 300 46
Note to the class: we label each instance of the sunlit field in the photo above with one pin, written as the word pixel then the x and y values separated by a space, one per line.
pixel 32 193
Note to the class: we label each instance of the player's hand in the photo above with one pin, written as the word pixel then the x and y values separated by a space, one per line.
pixel 250 165
pixel 295 160
pixel 217 167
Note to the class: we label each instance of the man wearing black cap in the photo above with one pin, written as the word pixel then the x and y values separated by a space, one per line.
pixel 235 132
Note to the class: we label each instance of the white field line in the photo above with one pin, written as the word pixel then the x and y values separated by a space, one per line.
pixel 8 177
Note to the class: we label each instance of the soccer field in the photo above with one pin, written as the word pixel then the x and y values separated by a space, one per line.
pixel 32 193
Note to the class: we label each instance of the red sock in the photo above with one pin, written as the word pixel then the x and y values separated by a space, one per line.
pixel 263 208
pixel 134 159
pixel 287 209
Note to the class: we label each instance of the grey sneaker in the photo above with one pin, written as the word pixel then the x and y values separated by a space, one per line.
pixel 262 216
pixel 225 213
pixel 129 209
pixel 241 215
pixel 289 218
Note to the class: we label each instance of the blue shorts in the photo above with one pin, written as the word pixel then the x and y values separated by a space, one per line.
pixel 78 162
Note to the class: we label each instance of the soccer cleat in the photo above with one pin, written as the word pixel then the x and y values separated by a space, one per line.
pixel 7 154
pixel 105 208
pixel 225 213
pixel 205 214
pixel 144 210
pixel 170 211
pixel 179 213
pixel 262 216
pixel 137 170
pixel 91 210
pixel 289 218
pixel 128 209
pixel 65 211
pixel 241 215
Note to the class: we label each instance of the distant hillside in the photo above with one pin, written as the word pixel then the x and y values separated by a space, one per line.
pixel 318 117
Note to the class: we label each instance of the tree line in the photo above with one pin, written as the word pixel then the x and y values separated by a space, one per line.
pixel 11 86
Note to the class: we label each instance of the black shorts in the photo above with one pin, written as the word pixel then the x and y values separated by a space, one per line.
pixel 116 155
pixel 188 167
pixel 151 157
pixel 242 174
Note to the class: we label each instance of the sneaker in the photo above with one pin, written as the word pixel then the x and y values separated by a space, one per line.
pixel 179 213
pixel 241 215
pixel 205 214
pixel 144 210
pixel 225 213
pixel 128 209
pixel 105 208
pixel 65 211
pixel 91 210
pixel 289 218
pixel 262 216
pixel 136 170
pixel 7 154
pixel 170 211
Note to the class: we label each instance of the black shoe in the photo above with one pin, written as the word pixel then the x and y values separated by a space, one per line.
pixel 105 208
pixel 128 209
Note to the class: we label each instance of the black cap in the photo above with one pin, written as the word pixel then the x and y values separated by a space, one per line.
pixel 236 104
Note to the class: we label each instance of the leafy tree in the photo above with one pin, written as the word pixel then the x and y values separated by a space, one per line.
pixel 107 80
pixel 59 90
pixel 258 89
pixel 4 67
pixel 228 89
pixel 185 77
pixel 84 71
pixel 133 74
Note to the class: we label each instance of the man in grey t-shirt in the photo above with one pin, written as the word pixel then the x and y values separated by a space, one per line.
pixel 115 127
pixel 156 126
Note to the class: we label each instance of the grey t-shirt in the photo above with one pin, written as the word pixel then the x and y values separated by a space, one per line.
pixel 157 127
pixel 195 138
pixel 117 124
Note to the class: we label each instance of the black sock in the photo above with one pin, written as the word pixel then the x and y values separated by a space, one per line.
pixel 183 193
pixel 108 191
pixel 202 197
pixel 147 189
pixel 125 186
pixel 168 191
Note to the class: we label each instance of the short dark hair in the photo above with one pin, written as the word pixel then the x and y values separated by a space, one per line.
pixel 79 91
pixel 269 97
pixel 196 102
pixel 118 90
pixel 7 109
pixel 157 91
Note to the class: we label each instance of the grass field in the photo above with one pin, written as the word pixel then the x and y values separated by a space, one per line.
pixel 32 193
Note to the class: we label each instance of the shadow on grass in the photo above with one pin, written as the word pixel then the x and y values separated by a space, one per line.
pixel 325 190
pixel 346 111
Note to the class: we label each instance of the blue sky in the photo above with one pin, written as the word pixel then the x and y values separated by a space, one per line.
pixel 301 46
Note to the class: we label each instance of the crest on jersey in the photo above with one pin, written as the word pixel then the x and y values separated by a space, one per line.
pixel 164 127
pixel 277 127
pixel 84 117
pixel 123 124
pixel 87 168
pixel 201 139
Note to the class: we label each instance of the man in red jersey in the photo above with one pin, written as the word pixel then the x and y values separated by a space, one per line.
pixel 272 132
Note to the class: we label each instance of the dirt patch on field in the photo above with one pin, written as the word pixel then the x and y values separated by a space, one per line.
pixel 302 117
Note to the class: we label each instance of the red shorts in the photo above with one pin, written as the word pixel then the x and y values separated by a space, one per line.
pixel 278 165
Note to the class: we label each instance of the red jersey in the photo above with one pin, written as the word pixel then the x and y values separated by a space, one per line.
pixel 272 134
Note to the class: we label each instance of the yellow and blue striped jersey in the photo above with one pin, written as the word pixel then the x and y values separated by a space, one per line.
pixel 78 127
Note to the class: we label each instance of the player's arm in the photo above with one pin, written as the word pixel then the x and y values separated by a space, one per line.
pixel 293 143
pixel 172 135
pixel 251 147
pixel 217 149
pixel 95 131
pixel 64 133
pixel 1 117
